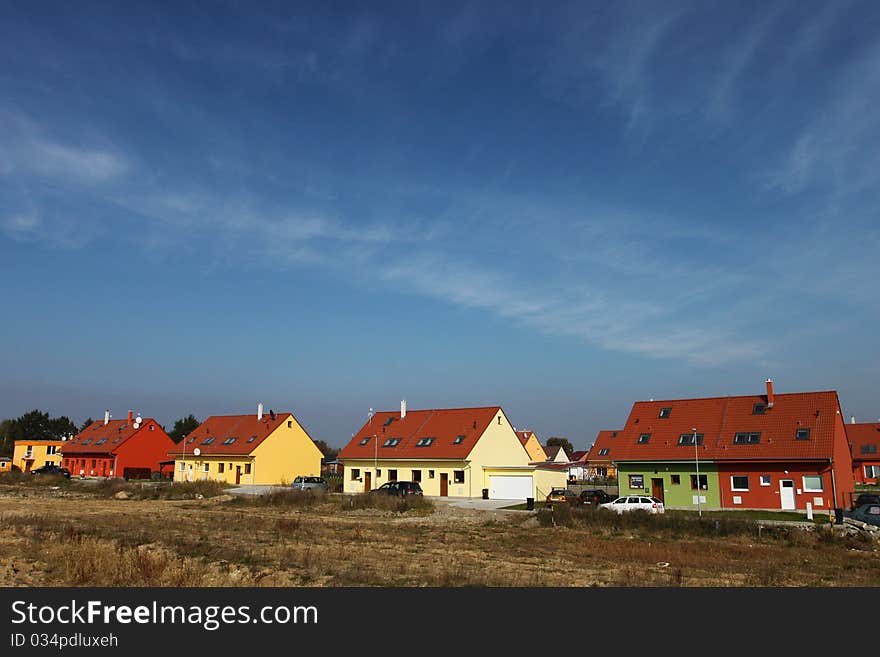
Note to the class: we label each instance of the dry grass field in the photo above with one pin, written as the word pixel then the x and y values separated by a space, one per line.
pixel 70 534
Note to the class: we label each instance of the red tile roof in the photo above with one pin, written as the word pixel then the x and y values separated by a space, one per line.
pixel 455 431
pixel 248 432
pixel 864 435
pixel 579 456
pixel 100 438
pixel 604 440
pixel 720 418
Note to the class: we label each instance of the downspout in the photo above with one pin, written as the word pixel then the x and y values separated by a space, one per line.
pixel 833 484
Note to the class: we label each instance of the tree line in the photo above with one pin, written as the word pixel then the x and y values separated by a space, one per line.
pixel 37 425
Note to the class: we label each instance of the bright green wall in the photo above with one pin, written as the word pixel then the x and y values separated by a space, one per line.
pixel 675 496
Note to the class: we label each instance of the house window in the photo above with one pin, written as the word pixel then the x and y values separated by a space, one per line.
pixel 251 439
pixel 424 442
pixel 391 442
pixel 665 412
pixel 392 475
pixel 636 481
pixel 813 484
pixel 229 440
pixel 207 467
pixel 416 475
pixel 739 482
pixel 182 466
pixel 94 463
pixel 208 440
pixel 51 449
pixel 604 451
pixel 100 442
pixel 758 409
pixel 766 480
pixel 378 472
pixel 355 474
pixel 644 438
pixel 688 439
pixel 221 467
pixel 675 479
pixel 191 440
pixel 704 482
pixel 802 434
pixel 430 474
pixel 365 441
pixel 746 438
pixel 868 449
pixel 872 471
pixel 290 424
pixel 458 440
pixel 247 468
pixel 499 419
pixel 458 476
pixel 87 441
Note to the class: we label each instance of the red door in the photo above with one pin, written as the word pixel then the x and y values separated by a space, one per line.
pixel 444 484
pixel 368 481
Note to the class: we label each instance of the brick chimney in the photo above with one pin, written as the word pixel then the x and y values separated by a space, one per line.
pixel 130 415
pixel 769 393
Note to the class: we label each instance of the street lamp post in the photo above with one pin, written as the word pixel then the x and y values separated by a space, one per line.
pixel 697 462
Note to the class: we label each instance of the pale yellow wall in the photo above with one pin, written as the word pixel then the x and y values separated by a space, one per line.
pixel 547 480
pixel 286 453
pixel 430 486
pixel 498 446
pixel 40 455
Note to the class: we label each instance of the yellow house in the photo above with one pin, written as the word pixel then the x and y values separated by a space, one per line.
pixel 456 452
pixel 264 449
pixel 532 445
pixel 29 455
pixel 5 464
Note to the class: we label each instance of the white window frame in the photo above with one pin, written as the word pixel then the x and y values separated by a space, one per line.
pixel 734 488
pixel 183 466
pixel 206 467
pixel 872 471
pixel 821 488
pixel 769 481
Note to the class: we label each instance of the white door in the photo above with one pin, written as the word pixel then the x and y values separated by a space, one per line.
pixel 786 493
pixel 507 487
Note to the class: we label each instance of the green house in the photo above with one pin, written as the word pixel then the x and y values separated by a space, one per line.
pixel 674 482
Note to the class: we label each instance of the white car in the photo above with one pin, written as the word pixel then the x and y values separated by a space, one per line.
pixel 633 503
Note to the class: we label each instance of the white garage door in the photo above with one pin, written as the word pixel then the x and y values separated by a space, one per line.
pixel 507 487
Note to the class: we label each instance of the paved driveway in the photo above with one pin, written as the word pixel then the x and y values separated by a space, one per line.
pixel 249 489
pixel 475 503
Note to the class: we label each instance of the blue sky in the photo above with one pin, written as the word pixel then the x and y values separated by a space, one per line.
pixel 560 209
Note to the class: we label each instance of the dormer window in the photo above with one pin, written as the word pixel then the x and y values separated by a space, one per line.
pixel 101 442
pixel 604 451
pixel 802 434
pixel 365 441
pixel 391 442
pixel 747 438
pixel 688 439
pixel 458 440
pixel 665 412
pixel 644 438
pixel 230 440
pixel 191 440
pixel 389 421
pixel 208 440
pixel 759 409
pixel 251 439
pixel 424 442
pixel 868 449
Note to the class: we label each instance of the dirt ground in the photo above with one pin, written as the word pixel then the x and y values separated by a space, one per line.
pixel 59 537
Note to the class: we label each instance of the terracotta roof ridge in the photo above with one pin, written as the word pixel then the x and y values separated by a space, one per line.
pixel 435 410
pixel 777 395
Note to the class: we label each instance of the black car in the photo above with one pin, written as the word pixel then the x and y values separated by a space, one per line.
pixel 52 470
pixel 595 497
pixel 866 498
pixel 399 488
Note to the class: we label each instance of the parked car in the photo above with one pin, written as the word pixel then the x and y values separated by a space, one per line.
pixel 866 498
pixel 399 488
pixel 565 495
pixel 869 513
pixel 315 484
pixel 595 497
pixel 634 503
pixel 52 469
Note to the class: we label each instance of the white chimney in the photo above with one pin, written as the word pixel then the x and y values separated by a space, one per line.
pixel 107 416
pixel 852 419
pixel 259 411
pixel 402 408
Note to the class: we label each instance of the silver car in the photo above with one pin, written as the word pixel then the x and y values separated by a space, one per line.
pixel 314 484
